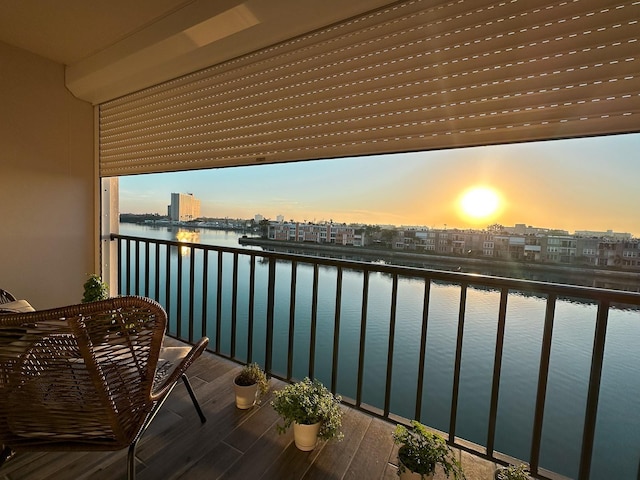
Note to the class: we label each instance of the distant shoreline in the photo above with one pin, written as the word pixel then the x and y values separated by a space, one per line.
pixel 458 263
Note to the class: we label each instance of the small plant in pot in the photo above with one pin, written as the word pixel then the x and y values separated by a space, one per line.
pixel 421 451
pixel 513 472
pixel 250 384
pixel 313 411
pixel 95 289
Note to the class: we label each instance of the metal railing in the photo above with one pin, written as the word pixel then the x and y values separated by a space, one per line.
pixel 158 269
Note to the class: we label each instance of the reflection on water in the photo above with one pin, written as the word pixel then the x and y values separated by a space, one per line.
pixel 187 236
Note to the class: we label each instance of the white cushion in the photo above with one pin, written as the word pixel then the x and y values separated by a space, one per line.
pixel 19 306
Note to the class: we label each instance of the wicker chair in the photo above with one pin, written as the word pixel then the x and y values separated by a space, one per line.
pixel 87 377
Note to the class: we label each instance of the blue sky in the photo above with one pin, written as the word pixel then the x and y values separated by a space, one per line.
pixel 577 184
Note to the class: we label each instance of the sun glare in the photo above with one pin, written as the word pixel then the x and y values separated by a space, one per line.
pixel 479 203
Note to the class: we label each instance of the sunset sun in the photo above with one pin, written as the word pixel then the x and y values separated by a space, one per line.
pixel 479 203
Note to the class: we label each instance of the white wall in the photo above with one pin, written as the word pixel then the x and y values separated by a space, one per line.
pixel 48 238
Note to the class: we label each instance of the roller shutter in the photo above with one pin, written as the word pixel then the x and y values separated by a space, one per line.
pixel 417 75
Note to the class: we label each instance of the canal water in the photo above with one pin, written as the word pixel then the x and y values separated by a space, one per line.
pixel 617 441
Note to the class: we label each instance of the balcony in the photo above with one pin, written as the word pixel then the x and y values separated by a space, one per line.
pixel 249 311
pixel 232 444
pixel 50 146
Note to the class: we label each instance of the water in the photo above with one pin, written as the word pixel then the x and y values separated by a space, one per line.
pixel 617 442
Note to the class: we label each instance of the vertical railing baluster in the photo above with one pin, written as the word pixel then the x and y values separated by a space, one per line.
pixel 146 269
pixel 497 367
pixel 423 348
pixel 121 268
pixel 192 287
pixel 205 291
pixel 314 322
pixel 157 276
pixel 136 290
pixel 363 331
pixel 128 277
pixel 270 308
pixel 543 376
pixel 219 303
pixel 392 336
pixel 292 318
pixel 179 292
pixel 595 376
pixel 252 289
pixel 168 281
pixel 234 305
pixel 458 363
pixel 336 331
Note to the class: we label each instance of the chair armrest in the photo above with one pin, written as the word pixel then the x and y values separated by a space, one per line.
pixel 183 363
pixel 16 306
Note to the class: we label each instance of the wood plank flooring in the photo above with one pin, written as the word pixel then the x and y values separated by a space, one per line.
pixel 232 445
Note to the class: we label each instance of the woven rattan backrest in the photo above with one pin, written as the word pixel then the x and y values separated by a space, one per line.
pixel 6 297
pixel 81 373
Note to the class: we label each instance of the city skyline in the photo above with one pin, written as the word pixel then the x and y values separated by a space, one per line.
pixel 576 184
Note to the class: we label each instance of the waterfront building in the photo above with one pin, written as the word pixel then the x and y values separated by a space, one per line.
pixel 630 254
pixel 610 234
pixel 543 246
pixel 184 207
pixel 332 233
pixel 560 248
pixel 533 248
pixel 522 229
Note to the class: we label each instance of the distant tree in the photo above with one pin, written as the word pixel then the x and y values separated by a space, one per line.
pixel 264 228
pixel 140 217
pixel 371 230
pixel 387 236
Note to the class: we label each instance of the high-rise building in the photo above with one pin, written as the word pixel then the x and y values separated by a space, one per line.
pixel 184 207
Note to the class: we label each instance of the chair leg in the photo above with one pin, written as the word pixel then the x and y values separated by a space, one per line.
pixel 193 398
pixel 131 455
pixel 6 453
pixel 131 461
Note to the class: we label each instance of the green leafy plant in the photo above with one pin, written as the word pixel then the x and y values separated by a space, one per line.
pixel 513 472
pixel 95 289
pixel 308 402
pixel 252 374
pixel 421 451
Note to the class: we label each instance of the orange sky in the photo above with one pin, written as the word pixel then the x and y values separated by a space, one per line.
pixel 581 184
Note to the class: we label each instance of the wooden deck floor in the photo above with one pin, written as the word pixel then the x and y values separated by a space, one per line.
pixel 232 444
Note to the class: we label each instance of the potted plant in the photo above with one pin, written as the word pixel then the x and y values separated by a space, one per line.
pixel 95 289
pixel 313 411
pixel 421 451
pixel 250 384
pixel 513 472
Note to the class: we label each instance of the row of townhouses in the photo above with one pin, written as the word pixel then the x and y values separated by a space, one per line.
pixel 334 233
pixel 616 250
